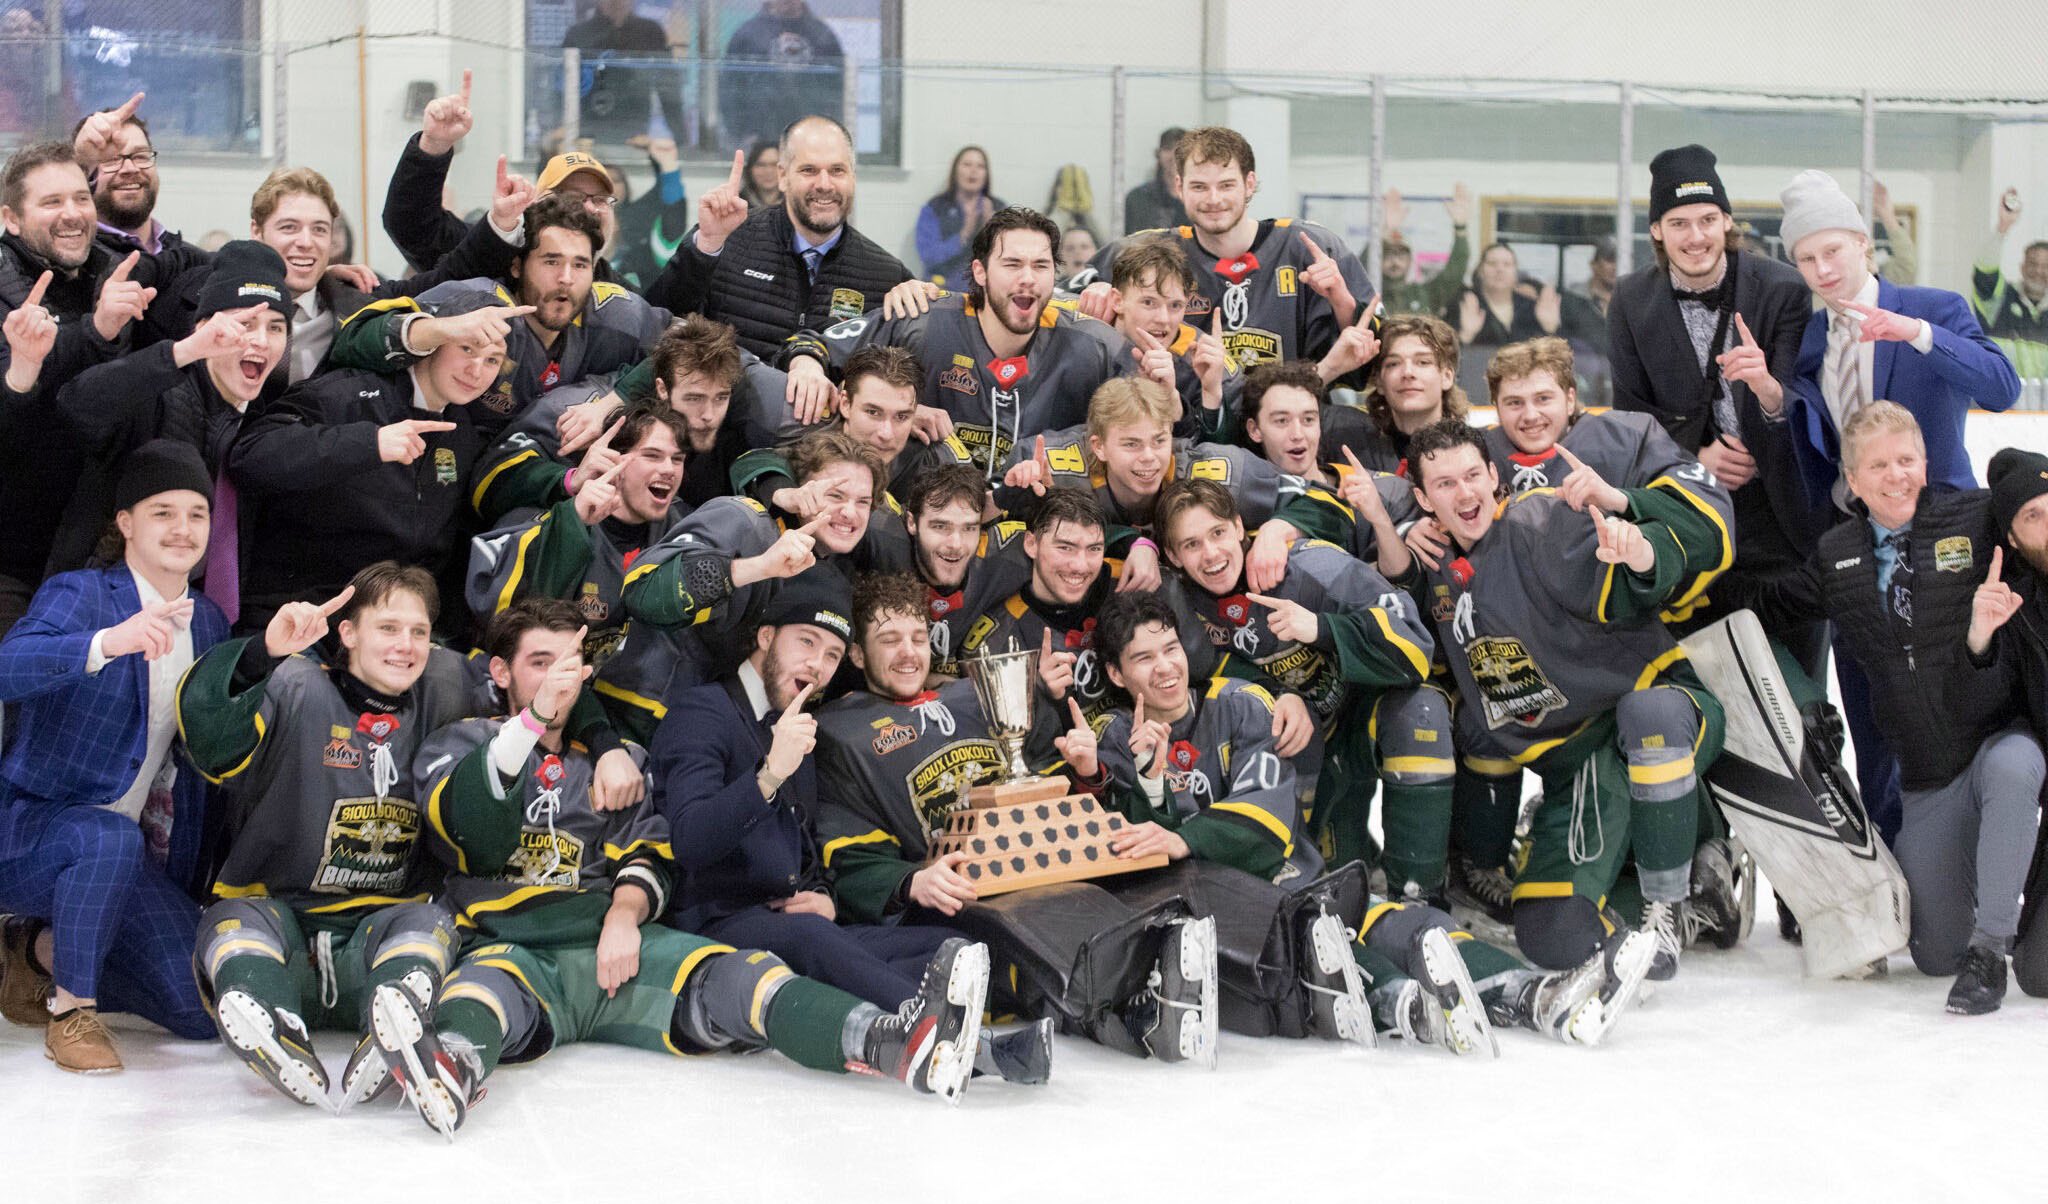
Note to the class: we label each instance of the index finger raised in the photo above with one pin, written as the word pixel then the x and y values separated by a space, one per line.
pixel 818 520
pixel 420 425
pixel 127 265
pixel 35 295
pixel 1997 563
pixel 127 108
pixel 1352 456
pixel 1074 708
pixel 605 440
pixel 1569 458
pixel 466 79
pixel 1314 250
pixel 1267 600
pixel 796 705
pixel 739 165
pixel 1742 330
pixel 337 601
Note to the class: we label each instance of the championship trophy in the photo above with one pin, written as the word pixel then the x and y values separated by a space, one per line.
pixel 1026 829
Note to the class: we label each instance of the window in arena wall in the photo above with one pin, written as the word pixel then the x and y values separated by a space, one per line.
pixel 713 75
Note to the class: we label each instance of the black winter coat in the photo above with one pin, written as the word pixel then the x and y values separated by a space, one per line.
pixel 759 285
pixel 1935 704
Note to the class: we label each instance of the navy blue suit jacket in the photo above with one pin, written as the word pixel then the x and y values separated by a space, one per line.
pixel 80 738
pixel 733 849
pixel 1965 368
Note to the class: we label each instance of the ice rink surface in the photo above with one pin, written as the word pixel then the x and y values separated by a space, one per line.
pixel 1738 1081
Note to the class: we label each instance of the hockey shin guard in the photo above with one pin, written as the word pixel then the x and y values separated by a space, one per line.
pixel 1658 728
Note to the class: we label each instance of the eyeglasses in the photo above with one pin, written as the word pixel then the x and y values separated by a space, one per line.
pixel 144 159
pixel 596 200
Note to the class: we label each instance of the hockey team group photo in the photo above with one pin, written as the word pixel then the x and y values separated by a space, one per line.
pixel 536 561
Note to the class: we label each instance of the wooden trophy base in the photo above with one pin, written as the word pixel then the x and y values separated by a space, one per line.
pixel 1019 835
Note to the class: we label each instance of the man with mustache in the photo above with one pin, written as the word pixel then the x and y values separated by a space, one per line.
pixel 568 326
pixel 1286 288
pixel 1001 362
pixel 1703 338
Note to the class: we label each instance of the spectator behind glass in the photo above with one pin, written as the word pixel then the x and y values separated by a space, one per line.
pixel 1071 204
pixel 761 184
pixel 947 223
pixel 616 44
pixel 1153 205
pixel 2014 312
pixel 784 63
pixel 1077 248
pixel 1501 308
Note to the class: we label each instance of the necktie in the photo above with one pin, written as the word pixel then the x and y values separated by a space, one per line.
pixel 1900 595
pixel 223 565
pixel 811 257
pixel 1845 368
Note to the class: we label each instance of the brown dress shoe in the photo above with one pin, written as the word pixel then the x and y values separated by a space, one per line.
pixel 24 990
pixel 79 1043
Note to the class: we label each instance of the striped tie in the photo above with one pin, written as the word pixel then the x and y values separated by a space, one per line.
pixel 1845 368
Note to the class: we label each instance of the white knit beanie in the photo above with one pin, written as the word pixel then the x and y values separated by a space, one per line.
pixel 1814 202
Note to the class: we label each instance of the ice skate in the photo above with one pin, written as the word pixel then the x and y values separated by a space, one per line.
pixel 367 1076
pixel 1336 990
pixel 1183 986
pixel 1436 966
pixel 275 1044
pixel 930 1042
pixel 1723 902
pixel 1661 921
pixel 442 1078
pixel 1487 894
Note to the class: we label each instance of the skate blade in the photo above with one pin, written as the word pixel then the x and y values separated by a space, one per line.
pixel 952 1062
pixel 372 1076
pixel 1628 978
pixel 1332 951
pixel 1198 964
pixel 1466 1028
pixel 397 1027
pixel 247 1027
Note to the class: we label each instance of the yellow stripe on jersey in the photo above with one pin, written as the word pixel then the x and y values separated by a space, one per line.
pixel 1262 817
pixel 875 837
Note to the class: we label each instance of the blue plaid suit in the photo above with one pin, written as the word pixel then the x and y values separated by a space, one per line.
pixel 124 927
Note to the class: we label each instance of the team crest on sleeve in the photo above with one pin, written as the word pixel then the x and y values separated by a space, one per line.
pixel 445 470
pixel 1952 555
pixel 959 380
pixel 891 736
pixel 590 603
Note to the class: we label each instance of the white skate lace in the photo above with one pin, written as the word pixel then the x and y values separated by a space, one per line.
pixel 1528 477
pixel 1154 982
pixel 323 963
pixel 1586 785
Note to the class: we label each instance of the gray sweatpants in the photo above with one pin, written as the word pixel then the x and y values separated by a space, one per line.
pixel 1965 848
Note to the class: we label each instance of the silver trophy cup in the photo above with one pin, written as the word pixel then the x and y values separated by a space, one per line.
pixel 1003 684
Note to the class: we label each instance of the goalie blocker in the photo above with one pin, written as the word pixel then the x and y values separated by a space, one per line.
pixel 1781 786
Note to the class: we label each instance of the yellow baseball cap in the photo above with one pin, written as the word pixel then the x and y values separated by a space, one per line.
pixel 561 167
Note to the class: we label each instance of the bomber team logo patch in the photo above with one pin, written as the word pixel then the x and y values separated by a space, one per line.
pixel 1513 687
pixel 1952 555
